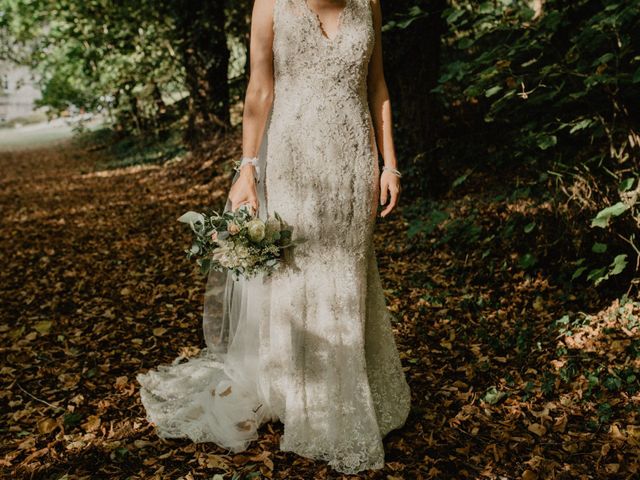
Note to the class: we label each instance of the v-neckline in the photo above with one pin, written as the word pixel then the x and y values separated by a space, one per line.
pixel 318 22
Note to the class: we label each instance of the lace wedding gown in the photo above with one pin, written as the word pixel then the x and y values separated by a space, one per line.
pixel 311 345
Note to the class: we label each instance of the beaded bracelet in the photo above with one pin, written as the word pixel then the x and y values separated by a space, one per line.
pixel 395 171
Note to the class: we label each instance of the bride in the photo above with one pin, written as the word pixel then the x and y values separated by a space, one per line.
pixel 311 345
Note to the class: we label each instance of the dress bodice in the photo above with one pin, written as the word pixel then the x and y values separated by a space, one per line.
pixel 304 58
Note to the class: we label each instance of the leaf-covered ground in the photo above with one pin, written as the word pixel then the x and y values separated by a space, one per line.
pixel 513 374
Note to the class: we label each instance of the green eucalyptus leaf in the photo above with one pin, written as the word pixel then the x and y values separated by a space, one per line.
pixel 192 218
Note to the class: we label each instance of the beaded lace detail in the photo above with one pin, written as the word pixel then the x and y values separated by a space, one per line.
pixel 314 346
pixel 322 173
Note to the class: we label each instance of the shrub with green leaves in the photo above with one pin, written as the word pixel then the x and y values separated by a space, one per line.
pixel 554 88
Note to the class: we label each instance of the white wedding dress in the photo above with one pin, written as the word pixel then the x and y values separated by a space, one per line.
pixel 311 345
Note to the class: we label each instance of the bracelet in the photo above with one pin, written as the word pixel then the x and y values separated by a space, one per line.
pixel 395 171
pixel 238 164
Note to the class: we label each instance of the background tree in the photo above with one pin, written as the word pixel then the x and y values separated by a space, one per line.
pixel 201 39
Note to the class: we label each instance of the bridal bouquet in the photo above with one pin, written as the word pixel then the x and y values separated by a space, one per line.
pixel 238 241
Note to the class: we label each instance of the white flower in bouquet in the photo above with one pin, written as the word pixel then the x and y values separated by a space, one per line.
pixel 223 254
pixel 247 263
pixel 242 251
pixel 256 229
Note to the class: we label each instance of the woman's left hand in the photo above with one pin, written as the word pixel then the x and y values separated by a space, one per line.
pixel 389 186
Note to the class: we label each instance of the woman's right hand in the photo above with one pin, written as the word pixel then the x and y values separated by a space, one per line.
pixel 244 191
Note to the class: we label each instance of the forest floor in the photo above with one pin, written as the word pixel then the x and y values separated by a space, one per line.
pixel 514 374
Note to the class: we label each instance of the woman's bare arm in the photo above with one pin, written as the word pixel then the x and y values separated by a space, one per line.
pixel 259 94
pixel 258 99
pixel 380 107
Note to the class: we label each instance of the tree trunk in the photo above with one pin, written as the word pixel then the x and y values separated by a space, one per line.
pixel 205 58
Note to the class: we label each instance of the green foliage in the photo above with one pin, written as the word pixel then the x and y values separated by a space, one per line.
pixel 99 55
pixel 554 89
pixel 136 61
pixel 62 90
pixel 604 216
pixel 555 81
pixel 428 223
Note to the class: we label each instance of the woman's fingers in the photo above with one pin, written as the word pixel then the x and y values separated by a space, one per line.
pixel 251 200
pixel 383 192
pixel 242 193
pixel 394 201
pixel 249 203
pixel 253 203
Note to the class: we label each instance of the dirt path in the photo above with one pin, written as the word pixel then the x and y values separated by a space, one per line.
pixel 42 135
pixel 95 288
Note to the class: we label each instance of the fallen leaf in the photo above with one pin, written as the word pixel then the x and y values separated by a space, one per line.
pixel 537 428
pixel 43 327
pixel 159 331
pixel 92 424
pixel 47 425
